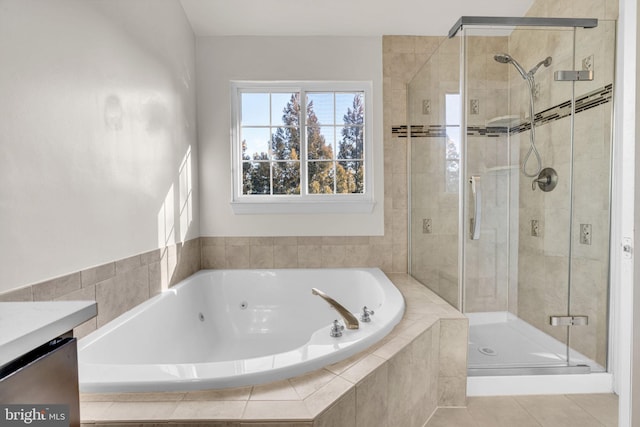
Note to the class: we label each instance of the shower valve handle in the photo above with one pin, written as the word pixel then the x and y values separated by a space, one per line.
pixel 544 181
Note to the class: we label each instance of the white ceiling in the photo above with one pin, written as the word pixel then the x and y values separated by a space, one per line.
pixel 339 17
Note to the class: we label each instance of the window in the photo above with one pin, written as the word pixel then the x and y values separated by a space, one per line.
pixel 452 151
pixel 301 147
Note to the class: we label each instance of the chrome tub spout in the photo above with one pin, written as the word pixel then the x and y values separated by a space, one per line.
pixel 349 319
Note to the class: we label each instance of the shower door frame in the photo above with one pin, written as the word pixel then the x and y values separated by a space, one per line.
pixel 465 173
pixel 500 23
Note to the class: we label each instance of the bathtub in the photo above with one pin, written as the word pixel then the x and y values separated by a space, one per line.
pixel 230 328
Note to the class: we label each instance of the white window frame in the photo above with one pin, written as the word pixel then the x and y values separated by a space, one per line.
pixel 303 203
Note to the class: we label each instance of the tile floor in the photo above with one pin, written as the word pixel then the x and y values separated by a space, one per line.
pixel 579 410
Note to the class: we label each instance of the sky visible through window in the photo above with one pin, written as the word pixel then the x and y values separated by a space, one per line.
pixel 258 114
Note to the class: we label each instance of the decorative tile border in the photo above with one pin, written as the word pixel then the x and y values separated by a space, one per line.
pixel 585 102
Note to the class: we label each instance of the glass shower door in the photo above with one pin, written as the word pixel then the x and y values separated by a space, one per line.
pixel 434 102
pixel 516 248
pixel 535 287
pixel 529 267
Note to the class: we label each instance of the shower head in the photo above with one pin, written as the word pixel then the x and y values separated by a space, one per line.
pixel 505 58
pixel 546 62
pixel 502 58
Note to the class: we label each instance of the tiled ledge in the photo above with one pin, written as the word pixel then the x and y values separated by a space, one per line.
pixel 401 380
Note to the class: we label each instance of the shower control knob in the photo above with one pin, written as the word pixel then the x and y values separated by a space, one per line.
pixel 547 180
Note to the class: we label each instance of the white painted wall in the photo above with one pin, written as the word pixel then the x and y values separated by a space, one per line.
pixel 97 114
pixel 222 59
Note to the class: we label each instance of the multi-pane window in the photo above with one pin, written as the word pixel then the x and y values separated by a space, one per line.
pixel 300 143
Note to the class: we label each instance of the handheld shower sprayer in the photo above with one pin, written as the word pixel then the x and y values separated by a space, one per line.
pixel 505 58
pixel 546 62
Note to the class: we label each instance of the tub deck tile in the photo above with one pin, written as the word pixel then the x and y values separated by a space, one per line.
pixel 278 390
pixel 208 410
pixel 257 410
pixel 238 393
pixel 357 372
pixel 132 397
pixel 339 367
pixel 139 411
pixel 307 384
pixel 392 347
pixel 91 412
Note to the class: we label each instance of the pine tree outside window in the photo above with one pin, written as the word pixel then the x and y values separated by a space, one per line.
pixel 301 147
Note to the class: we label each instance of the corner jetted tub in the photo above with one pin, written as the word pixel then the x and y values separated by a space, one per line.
pixel 229 328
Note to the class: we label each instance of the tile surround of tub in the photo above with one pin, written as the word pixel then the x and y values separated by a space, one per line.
pixel 395 382
pixel 303 252
pixel 119 285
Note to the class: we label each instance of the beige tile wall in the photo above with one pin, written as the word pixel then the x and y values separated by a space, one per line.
pixel 119 285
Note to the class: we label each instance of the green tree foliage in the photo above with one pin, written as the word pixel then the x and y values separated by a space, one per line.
pixel 350 170
pixel 325 174
pixel 320 155
pixel 285 145
pixel 255 174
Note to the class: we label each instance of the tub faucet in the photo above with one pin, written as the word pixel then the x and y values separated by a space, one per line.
pixel 349 319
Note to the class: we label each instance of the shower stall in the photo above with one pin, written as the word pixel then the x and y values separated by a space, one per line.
pixel 510 125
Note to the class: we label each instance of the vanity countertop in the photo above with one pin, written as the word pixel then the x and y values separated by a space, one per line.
pixel 27 325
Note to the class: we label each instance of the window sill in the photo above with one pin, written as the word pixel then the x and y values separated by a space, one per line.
pixel 250 207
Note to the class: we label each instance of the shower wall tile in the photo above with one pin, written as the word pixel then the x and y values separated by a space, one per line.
pixel 611 9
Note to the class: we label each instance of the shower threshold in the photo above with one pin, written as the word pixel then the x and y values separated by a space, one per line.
pixel 502 344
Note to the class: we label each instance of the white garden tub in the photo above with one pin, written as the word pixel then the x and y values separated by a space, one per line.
pixel 228 328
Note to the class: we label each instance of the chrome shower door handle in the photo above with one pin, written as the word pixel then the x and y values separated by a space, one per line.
pixel 476 220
